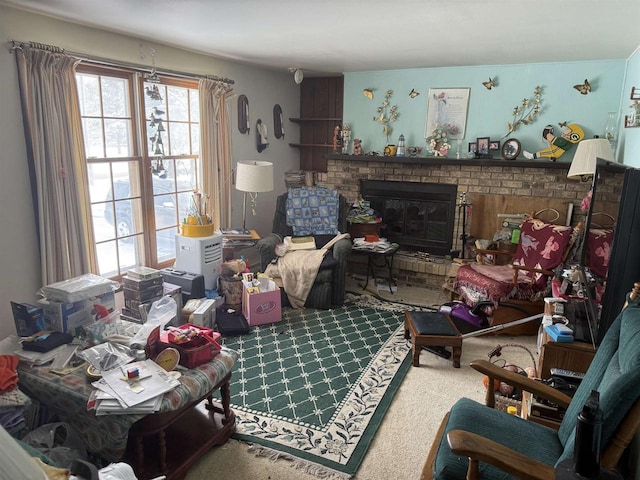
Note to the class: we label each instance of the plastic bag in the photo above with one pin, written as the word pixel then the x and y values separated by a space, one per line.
pixel 107 356
pixel 59 442
pixel 162 312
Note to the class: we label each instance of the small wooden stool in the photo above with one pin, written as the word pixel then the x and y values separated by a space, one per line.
pixel 432 329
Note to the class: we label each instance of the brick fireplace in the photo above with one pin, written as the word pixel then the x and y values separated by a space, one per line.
pixel 540 179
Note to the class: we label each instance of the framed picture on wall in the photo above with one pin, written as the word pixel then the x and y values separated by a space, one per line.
pixel 447 109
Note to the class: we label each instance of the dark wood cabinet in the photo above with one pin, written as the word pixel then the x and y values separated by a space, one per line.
pixel 320 111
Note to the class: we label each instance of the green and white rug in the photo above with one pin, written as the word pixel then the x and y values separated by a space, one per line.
pixel 314 387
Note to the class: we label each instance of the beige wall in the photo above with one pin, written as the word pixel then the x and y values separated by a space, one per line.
pixel 19 252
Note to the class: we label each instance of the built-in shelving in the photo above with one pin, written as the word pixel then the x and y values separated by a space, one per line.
pixel 321 145
pixel 328 119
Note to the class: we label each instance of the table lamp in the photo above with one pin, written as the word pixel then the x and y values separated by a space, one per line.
pixel 252 177
pixel 583 166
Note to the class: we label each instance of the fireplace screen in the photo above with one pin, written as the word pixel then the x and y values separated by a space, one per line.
pixel 417 216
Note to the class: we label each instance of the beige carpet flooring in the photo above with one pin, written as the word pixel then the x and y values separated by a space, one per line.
pixel 402 442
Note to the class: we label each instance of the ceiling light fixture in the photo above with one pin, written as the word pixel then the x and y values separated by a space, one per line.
pixel 298 76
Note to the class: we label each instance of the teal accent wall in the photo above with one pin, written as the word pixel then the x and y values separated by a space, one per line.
pixel 489 110
pixel 630 137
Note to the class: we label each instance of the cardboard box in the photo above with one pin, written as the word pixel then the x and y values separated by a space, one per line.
pixel 205 314
pixel 66 317
pixel 262 307
pixel 29 319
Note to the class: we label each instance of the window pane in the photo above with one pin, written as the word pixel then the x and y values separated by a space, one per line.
pixel 126 172
pixel 178 104
pixel 107 259
pixel 93 141
pixel 195 140
pixel 118 138
pixel 115 98
pixel 89 95
pixel 103 229
pixel 194 103
pixel 186 174
pixel 165 210
pixel 179 139
pixel 99 182
pixel 130 252
pixel 166 242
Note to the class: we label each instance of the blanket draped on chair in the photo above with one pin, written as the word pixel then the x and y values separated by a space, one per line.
pixel 298 269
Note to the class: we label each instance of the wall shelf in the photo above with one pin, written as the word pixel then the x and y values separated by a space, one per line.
pixel 328 119
pixel 321 145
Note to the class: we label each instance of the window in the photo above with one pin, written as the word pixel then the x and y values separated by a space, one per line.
pixel 142 146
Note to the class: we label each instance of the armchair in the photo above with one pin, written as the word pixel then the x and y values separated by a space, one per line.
pixel 329 286
pixel 519 286
pixel 476 441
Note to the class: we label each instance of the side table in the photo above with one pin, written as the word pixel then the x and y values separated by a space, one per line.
pixel 378 259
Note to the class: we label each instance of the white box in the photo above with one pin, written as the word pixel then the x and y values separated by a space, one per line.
pixel 66 317
pixel 201 255
pixel 205 314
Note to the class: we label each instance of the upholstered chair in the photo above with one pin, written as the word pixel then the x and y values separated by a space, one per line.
pixel 329 287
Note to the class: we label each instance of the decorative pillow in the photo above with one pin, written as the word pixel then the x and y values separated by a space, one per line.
pixel 313 211
pixel 599 250
pixel 542 245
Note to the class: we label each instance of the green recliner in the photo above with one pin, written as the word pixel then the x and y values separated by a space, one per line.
pixel 490 444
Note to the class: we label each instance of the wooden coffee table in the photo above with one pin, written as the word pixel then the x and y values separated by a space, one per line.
pixel 432 329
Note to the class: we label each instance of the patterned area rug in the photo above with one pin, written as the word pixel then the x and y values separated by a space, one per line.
pixel 314 387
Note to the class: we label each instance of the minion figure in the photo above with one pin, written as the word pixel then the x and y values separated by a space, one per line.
pixel 571 135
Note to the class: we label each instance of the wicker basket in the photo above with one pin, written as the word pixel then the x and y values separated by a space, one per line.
pixel 503 402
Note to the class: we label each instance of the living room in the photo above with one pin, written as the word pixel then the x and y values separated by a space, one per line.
pixel 489 112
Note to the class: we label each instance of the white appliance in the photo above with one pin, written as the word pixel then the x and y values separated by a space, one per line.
pixel 201 255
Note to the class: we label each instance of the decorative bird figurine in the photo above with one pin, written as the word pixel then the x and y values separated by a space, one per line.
pixel 368 93
pixel 413 93
pixel 489 85
pixel 583 88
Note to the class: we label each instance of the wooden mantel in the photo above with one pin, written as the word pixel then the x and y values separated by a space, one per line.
pixel 479 162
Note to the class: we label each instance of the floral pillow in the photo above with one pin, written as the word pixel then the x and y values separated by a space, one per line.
pixel 599 250
pixel 542 245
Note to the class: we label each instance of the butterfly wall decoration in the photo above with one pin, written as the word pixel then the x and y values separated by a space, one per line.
pixel 490 84
pixel 367 92
pixel 413 93
pixel 583 88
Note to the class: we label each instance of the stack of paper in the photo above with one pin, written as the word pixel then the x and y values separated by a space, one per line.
pixel 142 394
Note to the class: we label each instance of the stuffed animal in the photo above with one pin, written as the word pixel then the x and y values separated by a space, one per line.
pixel 571 135
pixel 357 146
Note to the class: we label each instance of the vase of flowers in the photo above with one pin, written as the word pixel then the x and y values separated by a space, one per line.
pixel 438 142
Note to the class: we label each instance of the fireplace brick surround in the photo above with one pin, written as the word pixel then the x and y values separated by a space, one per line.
pixel 541 179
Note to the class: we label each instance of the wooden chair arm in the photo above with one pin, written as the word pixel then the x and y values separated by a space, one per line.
pixel 540 390
pixel 530 271
pixel 481 449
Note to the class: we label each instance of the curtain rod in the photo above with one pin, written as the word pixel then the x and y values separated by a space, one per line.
pixel 16 45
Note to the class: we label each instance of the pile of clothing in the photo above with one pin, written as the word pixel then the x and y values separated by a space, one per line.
pixel 13 403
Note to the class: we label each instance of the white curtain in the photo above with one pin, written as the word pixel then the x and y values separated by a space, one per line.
pixel 215 147
pixel 57 163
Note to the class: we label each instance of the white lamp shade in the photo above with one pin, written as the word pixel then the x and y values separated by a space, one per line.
pixel 584 160
pixel 254 176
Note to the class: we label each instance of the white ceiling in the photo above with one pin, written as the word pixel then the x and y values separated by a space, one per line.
pixel 333 36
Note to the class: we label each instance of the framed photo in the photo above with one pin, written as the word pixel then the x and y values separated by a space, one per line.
pixel 511 149
pixel 494 145
pixel 473 147
pixel 482 147
pixel 447 109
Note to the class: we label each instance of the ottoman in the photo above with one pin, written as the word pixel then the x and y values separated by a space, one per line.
pixel 432 329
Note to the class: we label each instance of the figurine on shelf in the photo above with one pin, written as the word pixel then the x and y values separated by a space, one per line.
pixel 357 146
pixel 346 138
pixel 337 139
pixel 571 135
